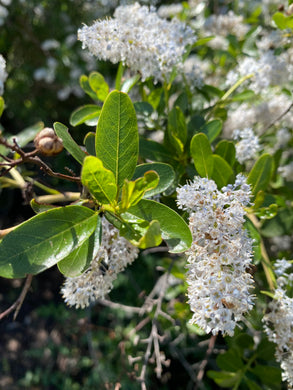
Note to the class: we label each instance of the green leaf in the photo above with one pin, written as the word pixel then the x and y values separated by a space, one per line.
pixel 152 236
pixel 283 22
pixel 79 259
pixel 177 130
pixel 40 207
pixel 84 113
pixel 2 105
pixel 117 136
pixel 261 173
pixel 212 129
pixel 143 108
pixel 251 384
pixel 119 75
pixel 280 225
pixel 266 349
pixel 99 180
pixel 267 374
pixel 133 191
pixel 201 153
pixel 222 172
pixel 230 361
pixel 152 150
pixel 244 95
pixel 44 240
pixel 84 83
pixel 130 83
pixel 174 230
pixel 165 172
pixel 89 142
pixel 226 149
pixel 224 378
pixel 69 144
pixel 98 84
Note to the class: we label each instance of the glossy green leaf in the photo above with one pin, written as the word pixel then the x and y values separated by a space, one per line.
pixel 44 240
pixel 84 113
pixel 98 85
pixel 166 176
pixel 261 173
pixel 222 172
pixel 89 142
pixel 152 236
pixel 130 83
pixel 133 191
pixel 117 136
pixel 226 149
pixel 99 180
pixel 40 207
pixel 212 129
pixel 69 144
pixel 243 96
pixel 174 230
pixel 80 258
pixel 177 129
pixel 201 153
pixel 152 150
pixel 84 83
pixel 282 21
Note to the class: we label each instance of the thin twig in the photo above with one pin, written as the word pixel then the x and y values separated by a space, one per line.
pixel 18 303
pixel 278 118
pixel 204 363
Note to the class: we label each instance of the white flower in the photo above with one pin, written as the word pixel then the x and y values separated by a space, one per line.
pixel 278 324
pixel 3 74
pixel 137 37
pixel 218 282
pixel 114 254
pixel 247 145
pixel 286 171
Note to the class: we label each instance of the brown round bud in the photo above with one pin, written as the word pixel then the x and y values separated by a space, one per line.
pixel 48 143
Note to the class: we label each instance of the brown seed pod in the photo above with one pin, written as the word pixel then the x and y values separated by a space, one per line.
pixel 48 143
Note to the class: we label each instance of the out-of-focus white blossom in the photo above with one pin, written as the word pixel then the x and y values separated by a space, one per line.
pixel 218 282
pixel 114 254
pixel 278 322
pixel 49 44
pixel 137 37
pixel 286 171
pixel 170 10
pixel 247 145
pixel 3 73
pixel 268 70
pixel 226 24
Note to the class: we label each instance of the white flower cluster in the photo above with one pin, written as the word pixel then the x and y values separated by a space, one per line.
pixel 3 74
pixel 220 256
pixel 261 115
pixel 225 24
pixel 286 171
pixel 247 145
pixel 114 254
pixel 137 37
pixel 278 324
pixel 268 70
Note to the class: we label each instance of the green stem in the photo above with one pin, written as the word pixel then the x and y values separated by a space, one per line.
pixel 246 368
pixel 234 87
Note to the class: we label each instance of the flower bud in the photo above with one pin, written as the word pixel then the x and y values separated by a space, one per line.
pixel 48 143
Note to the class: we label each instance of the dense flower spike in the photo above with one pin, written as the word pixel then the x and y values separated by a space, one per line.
pixel 247 145
pixel 137 37
pixel 220 256
pixel 114 254
pixel 278 321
